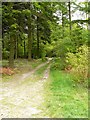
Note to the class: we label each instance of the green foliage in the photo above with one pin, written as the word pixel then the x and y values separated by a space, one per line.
pixel 49 49
pixel 43 52
pixel 21 52
pixel 79 63
pixel 79 37
pixel 14 26
pixel 26 12
pixel 58 64
pixel 42 31
pixel 5 53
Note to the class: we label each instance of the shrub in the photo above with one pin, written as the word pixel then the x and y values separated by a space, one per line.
pixel 79 63
pixel 58 63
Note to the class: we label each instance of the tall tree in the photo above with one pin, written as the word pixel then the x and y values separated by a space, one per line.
pixel 30 33
pixel 70 26
pixel 11 55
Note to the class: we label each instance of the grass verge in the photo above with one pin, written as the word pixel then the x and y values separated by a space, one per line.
pixel 65 98
pixel 41 70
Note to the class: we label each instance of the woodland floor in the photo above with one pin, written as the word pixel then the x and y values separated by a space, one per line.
pixel 24 95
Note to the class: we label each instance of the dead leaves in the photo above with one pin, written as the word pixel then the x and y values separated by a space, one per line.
pixel 6 70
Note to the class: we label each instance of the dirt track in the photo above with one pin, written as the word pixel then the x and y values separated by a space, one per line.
pixel 22 99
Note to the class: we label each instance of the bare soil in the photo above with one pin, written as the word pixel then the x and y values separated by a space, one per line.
pixel 20 99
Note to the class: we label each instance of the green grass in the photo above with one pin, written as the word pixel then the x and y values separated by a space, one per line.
pixel 41 70
pixel 37 75
pixel 65 98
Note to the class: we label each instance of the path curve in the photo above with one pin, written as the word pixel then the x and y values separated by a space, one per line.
pixel 24 100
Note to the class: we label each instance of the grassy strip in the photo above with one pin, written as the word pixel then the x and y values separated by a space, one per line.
pixel 37 75
pixel 41 70
pixel 65 99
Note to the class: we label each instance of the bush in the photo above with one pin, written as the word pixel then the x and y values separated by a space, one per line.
pixel 58 63
pixel 79 63
pixel 44 59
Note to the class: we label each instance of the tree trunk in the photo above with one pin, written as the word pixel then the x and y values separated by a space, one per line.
pixel 62 24
pixel 2 44
pixel 16 48
pixel 29 37
pixel 29 43
pixel 24 49
pixel 11 55
pixel 0 50
pixel 37 38
pixel 89 26
pixel 70 26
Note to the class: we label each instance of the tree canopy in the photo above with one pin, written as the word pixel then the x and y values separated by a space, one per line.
pixel 42 29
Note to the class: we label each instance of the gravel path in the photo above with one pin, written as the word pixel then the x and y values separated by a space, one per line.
pixel 23 100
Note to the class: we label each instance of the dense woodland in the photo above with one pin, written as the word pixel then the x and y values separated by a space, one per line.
pixel 45 53
pixel 46 29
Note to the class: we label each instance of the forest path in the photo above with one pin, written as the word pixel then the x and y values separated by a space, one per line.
pixel 18 79
pixel 22 99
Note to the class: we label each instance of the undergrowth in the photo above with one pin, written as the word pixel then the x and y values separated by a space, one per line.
pixel 21 66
